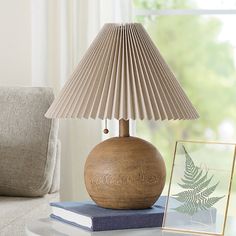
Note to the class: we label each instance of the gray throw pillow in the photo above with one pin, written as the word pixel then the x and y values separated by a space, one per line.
pixel 28 141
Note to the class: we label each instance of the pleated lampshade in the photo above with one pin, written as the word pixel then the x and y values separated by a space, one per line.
pixel 123 76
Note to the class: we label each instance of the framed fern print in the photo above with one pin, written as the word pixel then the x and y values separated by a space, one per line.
pixel 200 187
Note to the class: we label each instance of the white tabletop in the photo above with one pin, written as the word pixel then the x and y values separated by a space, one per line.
pixel 49 227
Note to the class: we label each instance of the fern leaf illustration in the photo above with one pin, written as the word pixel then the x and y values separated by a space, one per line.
pixel 197 189
pixel 203 185
pixel 210 202
pixel 190 208
pixel 207 192
pixel 190 183
pixel 190 169
pixel 188 196
pixel 198 176
pixel 202 182
pixel 185 196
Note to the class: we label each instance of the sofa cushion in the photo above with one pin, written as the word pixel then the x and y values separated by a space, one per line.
pixel 27 141
pixel 17 211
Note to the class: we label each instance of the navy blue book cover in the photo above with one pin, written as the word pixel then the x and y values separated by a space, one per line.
pixel 109 219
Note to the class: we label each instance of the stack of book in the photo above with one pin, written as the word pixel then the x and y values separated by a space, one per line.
pixel 88 215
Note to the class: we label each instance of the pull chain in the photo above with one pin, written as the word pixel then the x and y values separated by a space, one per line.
pixel 106 131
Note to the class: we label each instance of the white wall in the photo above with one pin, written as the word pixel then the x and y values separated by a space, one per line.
pixel 15 43
pixel 33 55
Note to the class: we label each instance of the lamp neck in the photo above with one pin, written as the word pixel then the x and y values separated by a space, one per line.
pixel 123 128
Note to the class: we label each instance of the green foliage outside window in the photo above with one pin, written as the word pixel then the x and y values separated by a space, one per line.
pixel 203 63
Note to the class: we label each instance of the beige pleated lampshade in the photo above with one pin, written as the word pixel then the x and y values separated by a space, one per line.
pixel 123 76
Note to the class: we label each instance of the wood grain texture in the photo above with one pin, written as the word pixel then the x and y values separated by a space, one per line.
pixel 123 128
pixel 125 173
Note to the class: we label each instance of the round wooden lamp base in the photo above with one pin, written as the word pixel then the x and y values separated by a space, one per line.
pixel 125 173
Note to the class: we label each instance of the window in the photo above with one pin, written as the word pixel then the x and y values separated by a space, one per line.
pixel 199 45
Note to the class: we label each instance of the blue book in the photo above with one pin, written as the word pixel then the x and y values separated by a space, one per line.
pixel 89 216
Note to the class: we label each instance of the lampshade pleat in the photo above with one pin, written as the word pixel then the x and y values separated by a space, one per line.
pixel 170 78
pixel 85 71
pixel 154 85
pixel 154 77
pixel 106 103
pixel 83 106
pixel 97 86
pixel 123 76
pixel 140 97
pixel 108 83
pixel 69 88
pixel 131 79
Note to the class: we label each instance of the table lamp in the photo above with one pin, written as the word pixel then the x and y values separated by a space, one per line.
pixel 123 76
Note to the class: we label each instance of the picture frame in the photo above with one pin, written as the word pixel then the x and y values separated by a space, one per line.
pixel 200 187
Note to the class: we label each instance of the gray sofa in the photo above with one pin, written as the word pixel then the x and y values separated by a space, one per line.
pixel 29 157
